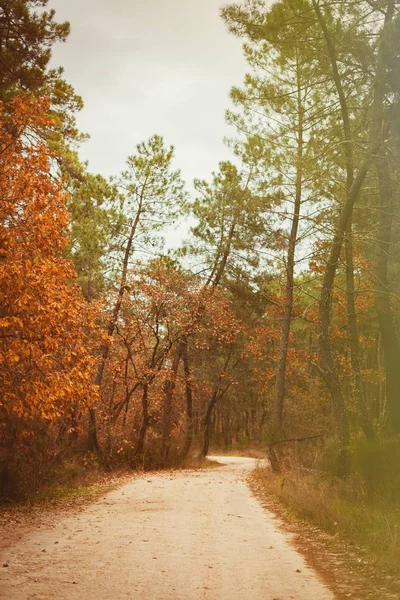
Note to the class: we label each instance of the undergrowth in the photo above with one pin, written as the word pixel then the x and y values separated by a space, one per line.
pixel 84 477
pixel 364 507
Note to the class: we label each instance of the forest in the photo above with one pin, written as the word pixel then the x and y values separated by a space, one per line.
pixel 275 326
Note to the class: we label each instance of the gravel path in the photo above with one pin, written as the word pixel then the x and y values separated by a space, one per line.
pixel 197 535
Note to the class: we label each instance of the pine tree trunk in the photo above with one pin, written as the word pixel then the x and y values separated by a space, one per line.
pixel 287 317
pixel 327 362
pixel 353 187
pixel 357 387
pixel 226 428
pixel 389 338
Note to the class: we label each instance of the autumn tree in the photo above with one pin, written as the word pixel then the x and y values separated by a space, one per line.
pixel 153 194
pixel 47 370
pixel 157 304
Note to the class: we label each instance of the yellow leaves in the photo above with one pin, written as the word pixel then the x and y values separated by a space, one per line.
pixel 10 322
pixel 12 357
pixel 374 376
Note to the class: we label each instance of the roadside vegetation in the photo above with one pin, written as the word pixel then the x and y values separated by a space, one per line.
pixel 363 507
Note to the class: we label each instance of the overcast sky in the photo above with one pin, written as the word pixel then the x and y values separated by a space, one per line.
pixel 151 66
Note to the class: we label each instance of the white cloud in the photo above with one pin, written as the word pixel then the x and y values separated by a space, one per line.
pixel 151 66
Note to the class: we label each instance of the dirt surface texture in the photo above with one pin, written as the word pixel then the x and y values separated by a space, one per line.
pixel 181 536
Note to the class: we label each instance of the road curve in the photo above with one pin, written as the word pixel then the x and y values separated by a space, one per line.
pixel 197 535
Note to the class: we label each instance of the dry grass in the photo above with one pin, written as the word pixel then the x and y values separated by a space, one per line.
pixel 341 507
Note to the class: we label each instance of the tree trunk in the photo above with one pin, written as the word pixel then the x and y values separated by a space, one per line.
pixel 189 402
pixel 93 442
pixel 169 389
pixel 357 386
pixel 227 429
pixel 139 450
pixel 327 360
pixel 381 392
pixel 328 367
pixel 389 339
pixel 207 425
pixel 353 187
pixel 287 316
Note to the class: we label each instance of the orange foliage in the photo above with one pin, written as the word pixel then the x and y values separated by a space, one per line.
pixel 160 307
pixel 45 366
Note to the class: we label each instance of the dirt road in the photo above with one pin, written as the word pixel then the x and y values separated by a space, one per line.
pixel 197 535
